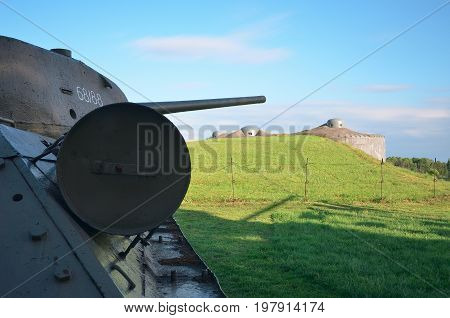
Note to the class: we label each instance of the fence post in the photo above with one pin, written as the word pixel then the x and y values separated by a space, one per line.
pixel 232 177
pixel 306 179
pixel 434 180
pixel 382 179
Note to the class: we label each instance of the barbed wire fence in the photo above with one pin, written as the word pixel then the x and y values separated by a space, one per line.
pixel 307 167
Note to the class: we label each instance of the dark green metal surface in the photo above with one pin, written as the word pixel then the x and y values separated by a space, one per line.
pixel 64 227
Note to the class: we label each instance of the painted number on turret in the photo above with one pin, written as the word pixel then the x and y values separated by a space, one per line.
pixel 89 96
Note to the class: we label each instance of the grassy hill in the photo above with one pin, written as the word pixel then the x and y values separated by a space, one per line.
pixel 267 240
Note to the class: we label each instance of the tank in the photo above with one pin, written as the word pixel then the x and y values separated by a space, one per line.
pixel 90 184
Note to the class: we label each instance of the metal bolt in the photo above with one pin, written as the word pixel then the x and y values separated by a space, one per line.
pixel 38 232
pixel 62 273
pixel 2 163
pixel 17 197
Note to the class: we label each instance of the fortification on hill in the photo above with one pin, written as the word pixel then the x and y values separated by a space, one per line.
pixel 247 131
pixel 372 144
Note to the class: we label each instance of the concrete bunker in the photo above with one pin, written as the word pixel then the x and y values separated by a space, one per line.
pixel 372 144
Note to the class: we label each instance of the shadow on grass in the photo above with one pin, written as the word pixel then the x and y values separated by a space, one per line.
pixel 269 207
pixel 381 214
pixel 347 207
pixel 371 223
pixel 320 215
pixel 306 257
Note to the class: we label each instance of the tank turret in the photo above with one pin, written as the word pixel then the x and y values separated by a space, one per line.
pixel 95 180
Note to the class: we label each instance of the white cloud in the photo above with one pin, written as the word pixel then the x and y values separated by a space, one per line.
pixel 423 131
pixel 375 112
pixel 386 88
pixel 442 89
pixel 440 101
pixel 232 48
pixel 413 132
pixel 390 120
pixel 398 113
pixel 316 112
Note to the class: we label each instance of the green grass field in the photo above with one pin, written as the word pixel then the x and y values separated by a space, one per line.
pixel 343 241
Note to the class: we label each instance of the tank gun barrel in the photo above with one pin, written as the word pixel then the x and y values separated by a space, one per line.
pixel 190 105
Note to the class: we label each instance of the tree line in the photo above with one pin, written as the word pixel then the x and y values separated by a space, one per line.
pixel 423 165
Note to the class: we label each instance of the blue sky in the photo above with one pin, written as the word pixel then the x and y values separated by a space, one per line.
pixel 177 50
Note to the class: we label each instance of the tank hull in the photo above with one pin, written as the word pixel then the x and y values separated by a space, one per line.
pixel 48 252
